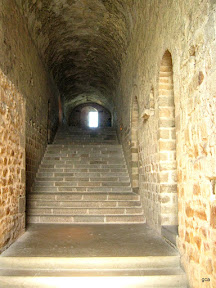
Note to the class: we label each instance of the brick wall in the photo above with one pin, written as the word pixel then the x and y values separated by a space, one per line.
pixel 12 163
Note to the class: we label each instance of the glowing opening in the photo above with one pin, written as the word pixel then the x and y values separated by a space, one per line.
pixel 93 119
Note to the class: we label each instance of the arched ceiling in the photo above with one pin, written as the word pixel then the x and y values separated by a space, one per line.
pixel 81 41
pixel 87 98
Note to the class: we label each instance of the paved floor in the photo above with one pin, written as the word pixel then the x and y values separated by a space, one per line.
pixel 89 241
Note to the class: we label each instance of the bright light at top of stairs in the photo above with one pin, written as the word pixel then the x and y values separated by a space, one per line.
pixel 93 119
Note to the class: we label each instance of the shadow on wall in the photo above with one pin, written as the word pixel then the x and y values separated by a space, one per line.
pixel 80 115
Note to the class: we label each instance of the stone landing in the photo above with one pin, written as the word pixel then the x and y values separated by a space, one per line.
pixel 91 255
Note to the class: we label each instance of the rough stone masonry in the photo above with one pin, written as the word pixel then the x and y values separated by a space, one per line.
pixel 152 63
pixel 12 163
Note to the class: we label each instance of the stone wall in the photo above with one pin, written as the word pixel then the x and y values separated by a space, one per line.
pixel 20 61
pixel 22 65
pixel 12 163
pixel 129 137
pixel 187 30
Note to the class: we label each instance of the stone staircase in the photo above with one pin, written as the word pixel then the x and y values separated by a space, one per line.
pixel 83 178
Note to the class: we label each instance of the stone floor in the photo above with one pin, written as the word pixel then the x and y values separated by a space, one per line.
pixel 89 241
pixel 118 256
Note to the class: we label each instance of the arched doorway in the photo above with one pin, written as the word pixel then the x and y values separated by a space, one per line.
pixel 82 114
pixel 167 147
pixel 89 117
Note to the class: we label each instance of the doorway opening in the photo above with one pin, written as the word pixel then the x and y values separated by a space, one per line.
pixel 90 115
pixel 93 119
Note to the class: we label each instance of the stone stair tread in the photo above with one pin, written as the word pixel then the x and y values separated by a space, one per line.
pixel 97 196
pixel 15 260
pixel 127 281
pixel 135 277
pixel 84 219
pixel 92 272
pixel 83 204
pixel 84 165
pixel 87 195
pixel 117 211
pixel 82 189
pixel 80 179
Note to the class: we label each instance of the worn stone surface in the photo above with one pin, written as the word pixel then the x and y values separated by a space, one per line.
pixel 112 53
pixel 186 30
pixel 20 61
pixel 12 162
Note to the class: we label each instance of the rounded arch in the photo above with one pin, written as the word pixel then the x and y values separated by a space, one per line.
pixel 87 98
pixel 167 142
pixel 79 115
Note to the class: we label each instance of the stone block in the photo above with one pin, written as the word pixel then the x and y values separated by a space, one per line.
pixel 22 205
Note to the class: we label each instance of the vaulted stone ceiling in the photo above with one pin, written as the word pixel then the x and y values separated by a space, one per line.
pixel 82 42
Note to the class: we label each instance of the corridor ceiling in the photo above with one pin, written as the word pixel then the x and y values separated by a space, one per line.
pixel 82 42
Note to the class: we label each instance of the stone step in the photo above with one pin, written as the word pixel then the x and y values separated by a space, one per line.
pixel 84 197
pixel 81 219
pixel 85 166
pixel 80 156
pixel 92 134
pixel 69 150
pixel 86 132
pixel 154 271
pixel 54 189
pixel 81 170
pixel 82 204
pixel 86 138
pixel 70 143
pixel 85 142
pixel 60 183
pixel 169 278
pixel 84 178
pixel 84 211
pixel 98 150
pixel 71 160
pixel 88 169
pixel 80 180
pixel 91 263
pixel 59 147
pixel 83 161
pixel 77 134
pixel 82 175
